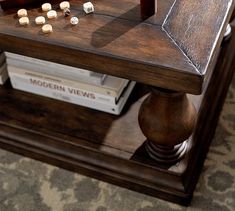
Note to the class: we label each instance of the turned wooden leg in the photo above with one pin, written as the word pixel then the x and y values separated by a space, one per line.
pixel 167 119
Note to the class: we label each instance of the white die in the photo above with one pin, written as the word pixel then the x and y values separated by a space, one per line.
pixel 74 21
pixel 88 7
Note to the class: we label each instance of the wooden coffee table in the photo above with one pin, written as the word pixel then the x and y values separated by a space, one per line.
pixel 177 53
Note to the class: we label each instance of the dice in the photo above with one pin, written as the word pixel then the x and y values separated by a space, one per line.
pixel 74 21
pixel 67 12
pixel 88 7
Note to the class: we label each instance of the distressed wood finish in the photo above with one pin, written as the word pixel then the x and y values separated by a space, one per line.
pixel 105 153
pixel 115 40
pixel 196 36
pixel 118 37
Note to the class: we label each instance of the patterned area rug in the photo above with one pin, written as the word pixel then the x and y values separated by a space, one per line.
pixel 26 184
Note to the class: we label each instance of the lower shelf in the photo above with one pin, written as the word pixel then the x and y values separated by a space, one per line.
pixel 109 147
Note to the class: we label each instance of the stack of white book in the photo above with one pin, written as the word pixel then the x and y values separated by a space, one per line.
pixel 3 69
pixel 70 84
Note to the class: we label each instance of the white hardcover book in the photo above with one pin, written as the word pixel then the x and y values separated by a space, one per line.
pixel 4 74
pixel 48 64
pixel 111 89
pixel 56 69
pixel 60 95
pixel 46 83
pixel 2 58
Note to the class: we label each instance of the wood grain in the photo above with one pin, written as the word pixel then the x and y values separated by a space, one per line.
pixel 197 33
pixel 68 145
pixel 167 119
pixel 126 47
pixel 115 35
pixel 223 74
pixel 77 123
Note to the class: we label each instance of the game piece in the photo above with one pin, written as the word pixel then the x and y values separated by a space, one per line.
pixel 22 13
pixel 51 14
pixel 47 28
pixel 40 20
pixel 74 21
pixel 64 5
pixel 24 21
pixel 67 12
pixel 46 7
pixel 88 7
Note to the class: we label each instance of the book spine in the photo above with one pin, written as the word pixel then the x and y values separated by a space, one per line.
pixel 57 69
pixel 96 79
pixel 48 85
pixel 47 64
pixel 76 84
pixel 55 94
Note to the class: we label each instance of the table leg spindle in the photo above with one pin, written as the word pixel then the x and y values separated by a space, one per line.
pixel 167 119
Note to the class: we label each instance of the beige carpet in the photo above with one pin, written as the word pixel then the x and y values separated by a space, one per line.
pixel 26 184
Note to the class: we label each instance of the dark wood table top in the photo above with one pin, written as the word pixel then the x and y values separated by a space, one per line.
pixel 173 49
